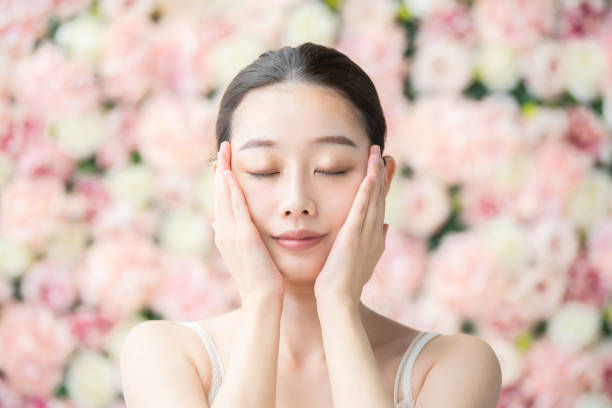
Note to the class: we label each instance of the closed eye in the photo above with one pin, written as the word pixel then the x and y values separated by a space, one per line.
pixel 327 173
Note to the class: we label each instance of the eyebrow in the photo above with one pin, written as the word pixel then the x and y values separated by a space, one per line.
pixel 336 140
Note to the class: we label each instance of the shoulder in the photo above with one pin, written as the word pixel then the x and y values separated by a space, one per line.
pixel 155 368
pixel 463 353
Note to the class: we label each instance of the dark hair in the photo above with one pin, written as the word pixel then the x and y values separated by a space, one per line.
pixel 312 64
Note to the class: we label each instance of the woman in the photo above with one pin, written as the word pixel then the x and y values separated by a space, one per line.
pixel 300 187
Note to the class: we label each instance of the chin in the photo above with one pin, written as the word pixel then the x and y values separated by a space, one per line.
pixel 300 269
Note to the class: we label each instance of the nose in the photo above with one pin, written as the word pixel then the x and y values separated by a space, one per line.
pixel 296 197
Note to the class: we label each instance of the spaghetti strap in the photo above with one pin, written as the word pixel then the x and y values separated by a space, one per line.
pixel 215 360
pixel 410 356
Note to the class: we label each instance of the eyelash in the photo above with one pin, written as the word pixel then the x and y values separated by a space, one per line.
pixel 327 173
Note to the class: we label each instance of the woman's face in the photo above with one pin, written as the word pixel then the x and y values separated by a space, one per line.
pixel 297 193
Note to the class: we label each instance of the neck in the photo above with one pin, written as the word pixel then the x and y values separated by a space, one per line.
pixel 301 339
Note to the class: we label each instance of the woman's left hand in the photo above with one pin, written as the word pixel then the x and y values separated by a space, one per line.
pixel 361 240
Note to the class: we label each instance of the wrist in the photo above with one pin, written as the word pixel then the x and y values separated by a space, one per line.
pixel 336 300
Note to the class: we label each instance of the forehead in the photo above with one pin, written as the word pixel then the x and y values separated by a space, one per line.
pixel 296 114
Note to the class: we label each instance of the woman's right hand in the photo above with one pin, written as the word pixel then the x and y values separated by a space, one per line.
pixel 237 237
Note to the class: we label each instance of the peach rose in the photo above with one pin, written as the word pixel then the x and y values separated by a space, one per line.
pixel 34 347
pixel 32 209
pixel 51 283
pixel 119 273
pixel 41 156
pixel 176 134
pixel 73 88
pixel 187 290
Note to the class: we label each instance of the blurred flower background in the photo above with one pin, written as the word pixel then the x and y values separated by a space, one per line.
pixel 499 115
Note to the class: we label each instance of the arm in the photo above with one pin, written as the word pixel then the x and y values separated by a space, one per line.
pixel 250 378
pixel 353 372
pixel 480 389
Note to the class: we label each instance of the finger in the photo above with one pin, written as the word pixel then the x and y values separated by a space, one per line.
pixel 223 198
pixel 358 210
pixel 373 219
pixel 239 204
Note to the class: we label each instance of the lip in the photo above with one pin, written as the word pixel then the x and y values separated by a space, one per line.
pixel 298 244
pixel 299 234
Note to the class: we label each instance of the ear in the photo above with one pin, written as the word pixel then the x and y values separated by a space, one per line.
pixel 389 172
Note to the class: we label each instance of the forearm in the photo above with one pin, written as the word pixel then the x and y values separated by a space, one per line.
pixel 353 372
pixel 250 378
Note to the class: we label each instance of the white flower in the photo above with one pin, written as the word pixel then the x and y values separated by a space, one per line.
pixel 91 379
pixel 507 241
pixel 82 38
pixel 132 184
pixel 555 243
pixel 574 326
pixel 540 66
pixel 584 67
pixel 6 168
pixel 422 8
pixel 15 258
pixel 420 205
pixel 205 191
pixel 498 67
pixel 80 136
pixel 230 55
pixel 510 360
pixel 442 66
pixel 113 342
pixel 68 243
pixel 313 22
pixel 607 111
pixel 589 201
pixel 184 231
pixel 593 400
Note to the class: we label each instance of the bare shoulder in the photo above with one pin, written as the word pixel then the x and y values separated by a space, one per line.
pixel 155 370
pixel 460 354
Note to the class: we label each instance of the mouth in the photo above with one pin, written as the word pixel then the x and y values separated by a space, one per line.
pixel 299 244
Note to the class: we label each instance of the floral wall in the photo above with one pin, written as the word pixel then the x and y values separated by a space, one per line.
pixel 500 119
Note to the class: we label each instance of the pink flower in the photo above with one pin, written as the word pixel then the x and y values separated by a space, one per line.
pixel 34 347
pixel 463 277
pixel 93 196
pixel 90 326
pixel 543 194
pixel 8 397
pixel 490 131
pixel 532 296
pixel 51 283
pixel 554 377
pixel 6 290
pixel 42 157
pixel 399 272
pixel 178 57
pixel 22 23
pixel 589 134
pixel 124 67
pixel 176 134
pixel 541 67
pixel 599 244
pixel 187 290
pixel 52 86
pixel 68 8
pixel 120 140
pixel 32 209
pixel 586 284
pixel 119 273
pixel 518 23
pixel 17 127
pixel 583 18
pixel 452 21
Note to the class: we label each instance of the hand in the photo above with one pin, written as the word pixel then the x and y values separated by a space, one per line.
pixel 236 236
pixel 361 240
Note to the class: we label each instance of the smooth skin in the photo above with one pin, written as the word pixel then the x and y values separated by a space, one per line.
pixel 308 330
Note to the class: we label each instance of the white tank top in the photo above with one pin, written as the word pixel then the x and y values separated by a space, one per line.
pixel 408 359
